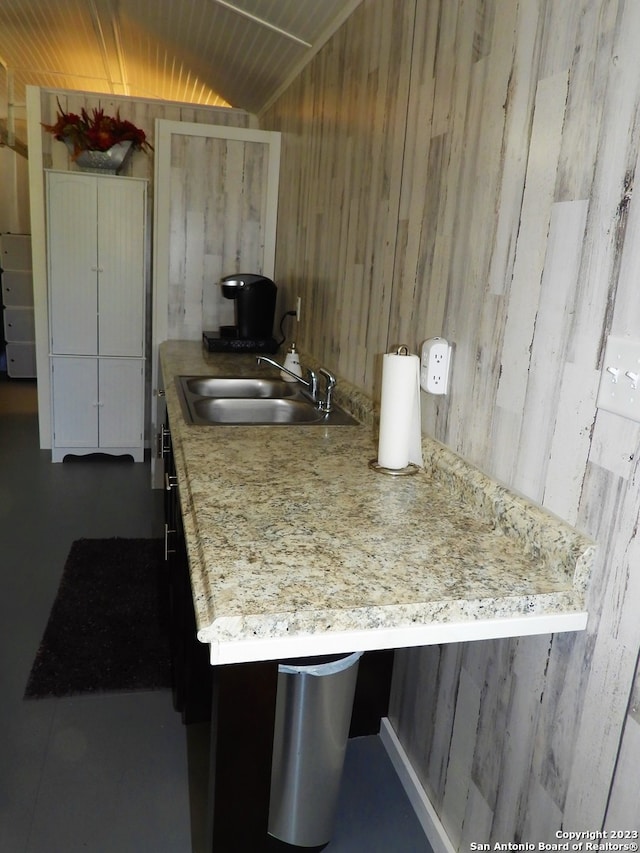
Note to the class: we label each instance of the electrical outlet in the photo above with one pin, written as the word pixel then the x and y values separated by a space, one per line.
pixel 619 390
pixel 435 361
pixel 298 308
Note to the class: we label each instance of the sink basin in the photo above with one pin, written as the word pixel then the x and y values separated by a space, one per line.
pixel 211 400
pixel 238 386
pixel 258 411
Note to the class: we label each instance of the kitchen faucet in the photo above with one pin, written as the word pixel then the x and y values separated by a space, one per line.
pixel 324 402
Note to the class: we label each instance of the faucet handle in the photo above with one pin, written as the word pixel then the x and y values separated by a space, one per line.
pixel 331 379
pixel 330 384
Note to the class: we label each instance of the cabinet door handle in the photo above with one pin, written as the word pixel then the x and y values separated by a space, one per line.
pixel 164 442
pixel 170 482
pixel 167 550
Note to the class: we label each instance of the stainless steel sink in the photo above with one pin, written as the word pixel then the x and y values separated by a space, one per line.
pixel 211 400
pixel 238 386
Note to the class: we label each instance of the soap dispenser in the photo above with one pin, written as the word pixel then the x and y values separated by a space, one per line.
pixel 292 363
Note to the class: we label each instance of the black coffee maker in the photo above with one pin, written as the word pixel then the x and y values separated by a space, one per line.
pixel 254 307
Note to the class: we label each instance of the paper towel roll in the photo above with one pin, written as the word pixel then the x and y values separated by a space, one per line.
pixel 399 442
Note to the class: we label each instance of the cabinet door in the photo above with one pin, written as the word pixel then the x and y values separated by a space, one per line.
pixel 121 382
pixel 72 256
pixel 75 402
pixel 121 261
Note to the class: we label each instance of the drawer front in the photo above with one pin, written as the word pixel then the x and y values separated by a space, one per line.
pixel 21 361
pixel 19 325
pixel 17 289
pixel 15 251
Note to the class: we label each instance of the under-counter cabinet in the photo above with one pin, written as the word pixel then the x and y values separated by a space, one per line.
pixel 96 281
pixel 191 672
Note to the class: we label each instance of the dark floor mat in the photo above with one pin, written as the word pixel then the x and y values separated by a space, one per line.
pixel 107 631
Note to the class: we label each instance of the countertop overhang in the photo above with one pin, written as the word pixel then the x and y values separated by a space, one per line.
pixel 297 547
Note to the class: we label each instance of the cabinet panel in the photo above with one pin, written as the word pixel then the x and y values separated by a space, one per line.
pixel 121 384
pixel 72 250
pixel 121 218
pixel 75 393
pixel 98 405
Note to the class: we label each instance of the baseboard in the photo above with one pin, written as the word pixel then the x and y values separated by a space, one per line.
pixel 425 812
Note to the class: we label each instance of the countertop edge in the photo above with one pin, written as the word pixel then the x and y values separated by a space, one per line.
pixel 429 634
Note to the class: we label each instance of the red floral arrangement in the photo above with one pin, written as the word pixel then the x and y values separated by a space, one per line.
pixel 96 131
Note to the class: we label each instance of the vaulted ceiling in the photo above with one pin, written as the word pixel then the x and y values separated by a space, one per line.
pixel 238 53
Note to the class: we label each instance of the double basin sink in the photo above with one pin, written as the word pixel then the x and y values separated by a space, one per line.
pixel 249 400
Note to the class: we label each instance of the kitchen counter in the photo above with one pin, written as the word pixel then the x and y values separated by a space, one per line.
pixel 297 547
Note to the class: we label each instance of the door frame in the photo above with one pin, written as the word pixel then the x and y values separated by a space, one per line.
pixel 165 130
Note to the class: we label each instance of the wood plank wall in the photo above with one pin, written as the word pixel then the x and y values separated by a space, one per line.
pixel 218 214
pixel 466 168
pixel 344 120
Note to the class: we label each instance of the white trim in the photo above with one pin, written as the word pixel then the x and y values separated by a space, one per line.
pixel 217 131
pixel 427 634
pixel 422 806
pixel 262 22
pixel 39 261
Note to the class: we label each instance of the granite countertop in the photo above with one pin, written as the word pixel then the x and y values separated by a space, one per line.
pixel 297 547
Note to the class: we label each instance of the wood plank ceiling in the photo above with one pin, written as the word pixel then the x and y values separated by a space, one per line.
pixel 238 53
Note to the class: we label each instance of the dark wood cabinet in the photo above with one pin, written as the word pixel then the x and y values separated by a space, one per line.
pixel 192 677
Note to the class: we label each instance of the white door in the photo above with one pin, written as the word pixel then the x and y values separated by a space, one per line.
pixel 121 259
pixel 74 382
pixel 72 247
pixel 121 382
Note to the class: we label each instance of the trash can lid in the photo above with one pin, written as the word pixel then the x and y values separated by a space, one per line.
pixel 320 665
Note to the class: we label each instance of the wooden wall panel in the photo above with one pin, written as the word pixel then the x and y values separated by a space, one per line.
pixel 217 220
pixel 340 184
pixel 484 191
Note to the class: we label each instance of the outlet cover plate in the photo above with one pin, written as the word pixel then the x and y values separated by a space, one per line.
pixel 435 362
pixel 619 390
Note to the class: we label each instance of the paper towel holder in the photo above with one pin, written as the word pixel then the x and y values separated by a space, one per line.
pixel 411 468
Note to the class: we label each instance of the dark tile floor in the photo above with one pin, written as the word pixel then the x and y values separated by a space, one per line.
pixel 116 773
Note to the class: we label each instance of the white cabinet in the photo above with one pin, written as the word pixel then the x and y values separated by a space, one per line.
pixel 98 405
pixel 96 258
pixel 17 301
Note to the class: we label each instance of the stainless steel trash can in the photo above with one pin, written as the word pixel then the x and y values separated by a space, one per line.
pixel 314 701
